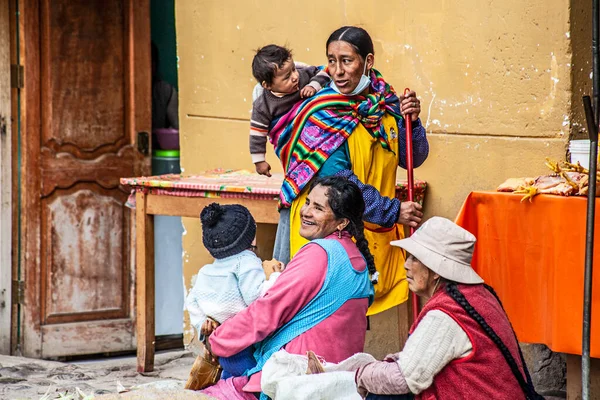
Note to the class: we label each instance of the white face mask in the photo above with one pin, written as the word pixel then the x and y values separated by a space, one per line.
pixel 364 82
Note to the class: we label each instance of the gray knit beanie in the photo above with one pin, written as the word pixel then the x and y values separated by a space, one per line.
pixel 227 230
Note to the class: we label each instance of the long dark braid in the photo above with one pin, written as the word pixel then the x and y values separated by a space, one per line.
pixel 357 230
pixel 346 201
pixel 526 386
pixel 529 381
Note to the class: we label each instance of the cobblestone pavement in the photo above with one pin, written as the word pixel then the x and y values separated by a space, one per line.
pixel 104 379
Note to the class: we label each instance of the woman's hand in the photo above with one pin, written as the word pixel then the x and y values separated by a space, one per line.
pixel 409 104
pixel 410 214
pixel 208 326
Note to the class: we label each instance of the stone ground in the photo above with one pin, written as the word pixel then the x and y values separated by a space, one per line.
pixel 117 378
pixel 103 379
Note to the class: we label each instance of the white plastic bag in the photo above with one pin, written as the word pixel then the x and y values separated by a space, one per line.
pixel 284 377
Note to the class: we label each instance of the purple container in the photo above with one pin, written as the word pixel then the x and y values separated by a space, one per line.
pixel 167 138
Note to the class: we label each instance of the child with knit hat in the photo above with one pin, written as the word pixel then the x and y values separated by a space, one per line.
pixel 234 280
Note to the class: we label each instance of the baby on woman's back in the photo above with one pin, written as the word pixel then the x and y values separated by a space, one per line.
pixel 285 83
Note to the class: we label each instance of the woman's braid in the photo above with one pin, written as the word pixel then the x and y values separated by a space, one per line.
pixel 527 387
pixel 357 229
pixel 528 376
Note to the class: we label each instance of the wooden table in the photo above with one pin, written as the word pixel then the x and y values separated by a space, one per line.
pixel 186 196
pixel 533 256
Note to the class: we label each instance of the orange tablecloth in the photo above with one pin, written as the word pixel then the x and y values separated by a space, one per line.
pixel 533 255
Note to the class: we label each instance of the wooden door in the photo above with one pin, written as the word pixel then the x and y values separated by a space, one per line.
pixel 87 94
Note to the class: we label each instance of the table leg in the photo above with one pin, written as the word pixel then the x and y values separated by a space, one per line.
pixel 144 284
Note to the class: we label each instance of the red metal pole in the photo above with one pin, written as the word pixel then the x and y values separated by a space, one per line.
pixel 411 189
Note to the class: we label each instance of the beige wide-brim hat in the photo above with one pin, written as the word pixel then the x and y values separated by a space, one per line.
pixel 445 248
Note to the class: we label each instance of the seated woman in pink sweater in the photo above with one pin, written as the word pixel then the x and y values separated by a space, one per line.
pixel 323 293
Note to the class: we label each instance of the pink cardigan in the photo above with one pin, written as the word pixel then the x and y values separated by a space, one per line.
pixel 335 339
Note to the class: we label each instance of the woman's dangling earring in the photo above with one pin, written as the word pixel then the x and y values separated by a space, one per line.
pixel 436 284
pixel 340 234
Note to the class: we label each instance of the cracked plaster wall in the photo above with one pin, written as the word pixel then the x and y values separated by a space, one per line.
pixel 500 84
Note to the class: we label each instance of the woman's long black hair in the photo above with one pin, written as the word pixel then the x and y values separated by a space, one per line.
pixel 526 385
pixel 346 201
pixel 356 37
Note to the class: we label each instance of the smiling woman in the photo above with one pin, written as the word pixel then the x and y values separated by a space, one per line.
pixel 318 219
pixel 329 209
pixel 323 292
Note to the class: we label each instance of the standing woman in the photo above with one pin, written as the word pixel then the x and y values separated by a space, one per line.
pixel 355 129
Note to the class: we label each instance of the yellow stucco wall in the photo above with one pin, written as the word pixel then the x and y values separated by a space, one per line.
pixel 495 79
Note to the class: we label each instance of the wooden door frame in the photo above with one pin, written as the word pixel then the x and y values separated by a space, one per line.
pixel 6 210
pixel 30 338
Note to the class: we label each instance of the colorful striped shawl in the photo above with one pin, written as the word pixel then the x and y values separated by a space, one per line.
pixel 307 135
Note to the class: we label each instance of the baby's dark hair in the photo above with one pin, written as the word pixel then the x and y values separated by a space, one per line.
pixel 346 201
pixel 267 60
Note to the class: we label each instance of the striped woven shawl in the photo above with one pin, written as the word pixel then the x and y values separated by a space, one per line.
pixel 307 135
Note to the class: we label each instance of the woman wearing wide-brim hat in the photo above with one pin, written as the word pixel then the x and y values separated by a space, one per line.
pixel 462 345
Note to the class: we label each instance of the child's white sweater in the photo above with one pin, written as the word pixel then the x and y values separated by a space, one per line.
pixel 226 287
